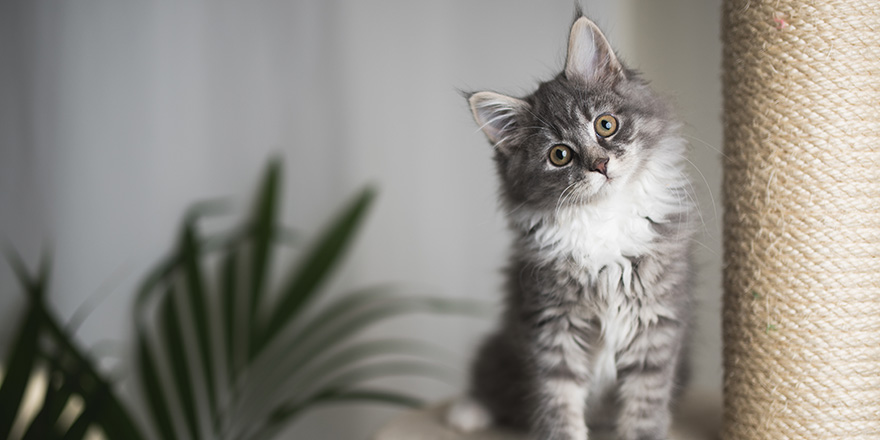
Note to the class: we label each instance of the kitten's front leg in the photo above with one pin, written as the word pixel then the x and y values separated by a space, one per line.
pixel 647 374
pixel 560 411
pixel 562 378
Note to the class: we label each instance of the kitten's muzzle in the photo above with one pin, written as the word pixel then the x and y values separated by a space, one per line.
pixel 600 165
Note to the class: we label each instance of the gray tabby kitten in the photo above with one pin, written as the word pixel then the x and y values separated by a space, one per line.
pixel 598 301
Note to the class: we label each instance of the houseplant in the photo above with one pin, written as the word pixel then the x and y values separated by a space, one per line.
pixel 221 354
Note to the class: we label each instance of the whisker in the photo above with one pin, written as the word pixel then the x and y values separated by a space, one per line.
pixel 711 147
pixel 708 188
pixel 561 200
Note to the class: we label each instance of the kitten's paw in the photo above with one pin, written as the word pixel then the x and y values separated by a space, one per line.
pixel 467 415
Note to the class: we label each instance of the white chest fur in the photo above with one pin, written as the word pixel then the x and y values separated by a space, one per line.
pixel 600 240
pixel 597 236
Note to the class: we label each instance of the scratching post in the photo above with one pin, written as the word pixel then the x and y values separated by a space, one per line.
pixel 802 222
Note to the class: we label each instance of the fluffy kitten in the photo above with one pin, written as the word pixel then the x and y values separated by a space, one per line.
pixel 598 301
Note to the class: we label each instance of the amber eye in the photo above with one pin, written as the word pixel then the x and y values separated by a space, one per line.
pixel 560 155
pixel 605 125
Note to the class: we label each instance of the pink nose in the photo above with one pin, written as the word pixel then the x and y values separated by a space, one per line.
pixel 599 165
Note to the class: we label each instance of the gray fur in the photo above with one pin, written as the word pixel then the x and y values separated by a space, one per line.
pixel 542 369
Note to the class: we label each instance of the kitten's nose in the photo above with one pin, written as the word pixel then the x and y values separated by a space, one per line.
pixel 599 165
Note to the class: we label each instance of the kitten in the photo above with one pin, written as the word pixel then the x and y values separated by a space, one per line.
pixel 598 301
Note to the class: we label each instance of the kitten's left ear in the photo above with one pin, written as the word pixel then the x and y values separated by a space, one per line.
pixel 590 57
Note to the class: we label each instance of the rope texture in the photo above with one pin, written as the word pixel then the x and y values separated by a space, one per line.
pixel 801 319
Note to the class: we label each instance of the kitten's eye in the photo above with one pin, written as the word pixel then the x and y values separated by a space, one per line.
pixel 605 125
pixel 560 155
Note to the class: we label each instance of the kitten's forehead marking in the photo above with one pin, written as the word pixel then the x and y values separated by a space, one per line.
pixel 586 127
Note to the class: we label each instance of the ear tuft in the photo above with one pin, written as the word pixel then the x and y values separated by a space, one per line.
pixel 590 57
pixel 496 114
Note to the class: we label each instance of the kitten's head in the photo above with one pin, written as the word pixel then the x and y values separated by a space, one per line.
pixel 579 137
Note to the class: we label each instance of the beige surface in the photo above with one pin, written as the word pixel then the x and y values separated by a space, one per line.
pixel 698 418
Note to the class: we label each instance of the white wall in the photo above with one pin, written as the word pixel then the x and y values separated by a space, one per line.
pixel 114 117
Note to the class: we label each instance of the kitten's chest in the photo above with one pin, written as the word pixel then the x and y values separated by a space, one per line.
pixel 605 235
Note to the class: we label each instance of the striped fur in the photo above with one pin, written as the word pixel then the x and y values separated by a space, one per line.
pixel 598 304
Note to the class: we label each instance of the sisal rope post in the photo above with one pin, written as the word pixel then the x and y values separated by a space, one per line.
pixel 801 319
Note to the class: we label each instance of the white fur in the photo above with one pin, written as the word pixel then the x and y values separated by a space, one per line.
pixel 598 237
pixel 467 415
pixel 602 233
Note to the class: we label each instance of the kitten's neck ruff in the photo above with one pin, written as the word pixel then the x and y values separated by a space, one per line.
pixel 613 231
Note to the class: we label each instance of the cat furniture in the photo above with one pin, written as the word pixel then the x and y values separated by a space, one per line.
pixel 801 312
pixel 801 319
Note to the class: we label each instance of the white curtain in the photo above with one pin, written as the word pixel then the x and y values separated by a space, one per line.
pixel 115 116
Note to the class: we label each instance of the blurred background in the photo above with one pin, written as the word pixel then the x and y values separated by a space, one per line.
pixel 116 116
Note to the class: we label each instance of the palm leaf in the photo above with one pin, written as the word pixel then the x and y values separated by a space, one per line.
pixel 151 387
pixel 315 266
pixel 345 383
pixel 20 365
pixel 71 372
pixel 88 416
pixel 23 354
pixel 230 325
pixel 198 306
pixel 55 397
pixel 374 370
pixel 80 426
pixel 316 369
pixel 173 338
pixel 279 421
pixel 344 319
pixel 389 397
pixel 301 329
pixel 109 412
pixel 262 226
pixel 294 356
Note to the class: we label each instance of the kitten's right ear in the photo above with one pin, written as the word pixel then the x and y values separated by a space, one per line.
pixel 496 114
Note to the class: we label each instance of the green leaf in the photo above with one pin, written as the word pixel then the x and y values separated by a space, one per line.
pixel 23 353
pixel 336 311
pixel 262 228
pixel 207 208
pixel 230 327
pixel 280 421
pixel 311 372
pixel 162 270
pixel 94 406
pixel 333 327
pixel 316 372
pixel 198 306
pixel 300 329
pixel 329 329
pixel 315 266
pixel 172 339
pixel 79 427
pixel 115 420
pixel 343 383
pixel 54 399
pixel 382 396
pixel 102 408
pixel 35 287
pixel 80 371
pixel 101 411
pixel 375 370
pixel 19 268
pixel 20 364
pixel 338 395
pixel 151 387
